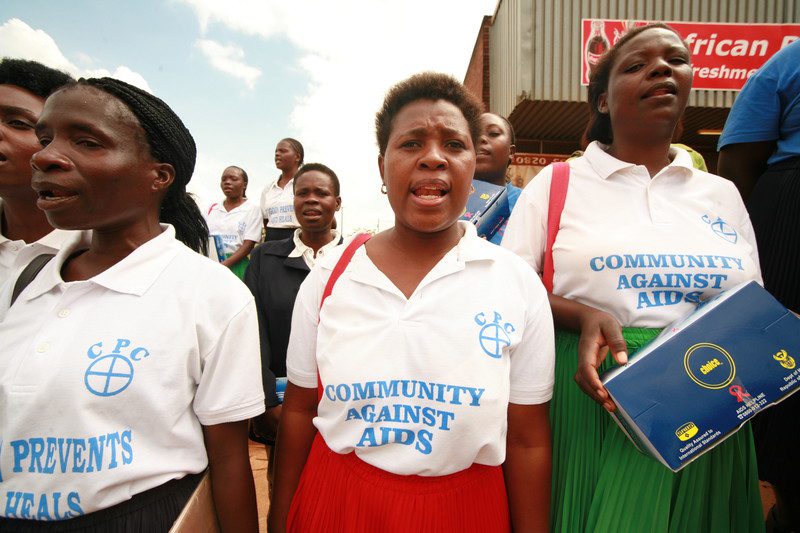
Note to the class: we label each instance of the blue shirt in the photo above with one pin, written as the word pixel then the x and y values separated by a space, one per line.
pixel 768 107
pixel 512 193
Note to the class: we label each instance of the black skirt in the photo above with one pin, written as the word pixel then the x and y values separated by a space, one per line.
pixel 774 208
pixel 154 510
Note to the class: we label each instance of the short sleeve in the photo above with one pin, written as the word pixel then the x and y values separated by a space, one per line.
pixel 746 229
pixel 253 224
pixel 301 354
pixel 533 359
pixel 756 113
pixel 230 386
pixel 526 233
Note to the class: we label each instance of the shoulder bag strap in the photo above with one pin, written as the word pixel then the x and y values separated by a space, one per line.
pixel 344 260
pixel 28 274
pixel 212 207
pixel 558 196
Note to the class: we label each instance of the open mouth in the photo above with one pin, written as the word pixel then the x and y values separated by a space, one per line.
pixel 430 190
pixel 49 198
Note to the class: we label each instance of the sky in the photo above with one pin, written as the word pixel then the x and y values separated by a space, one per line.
pixel 243 74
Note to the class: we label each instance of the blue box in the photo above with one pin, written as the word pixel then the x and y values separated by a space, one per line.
pixel 487 208
pixel 704 376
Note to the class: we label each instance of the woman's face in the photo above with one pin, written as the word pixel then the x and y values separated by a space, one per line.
pixel 232 183
pixel 428 165
pixel 285 157
pixel 494 150
pixel 315 201
pixel 94 170
pixel 19 111
pixel 649 82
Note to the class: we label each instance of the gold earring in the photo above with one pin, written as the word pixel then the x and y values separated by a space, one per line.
pixel 384 190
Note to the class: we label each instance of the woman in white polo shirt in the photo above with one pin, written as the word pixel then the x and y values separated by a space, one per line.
pixel 234 225
pixel 130 362
pixel 643 238
pixel 433 354
pixel 277 203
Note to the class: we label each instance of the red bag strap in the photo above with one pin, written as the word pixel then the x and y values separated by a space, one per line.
pixel 558 197
pixel 341 264
pixel 212 206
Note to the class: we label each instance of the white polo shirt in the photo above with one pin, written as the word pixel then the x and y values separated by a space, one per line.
pixel 242 223
pixel 646 250
pixel 307 253
pixel 15 255
pixel 422 385
pixel 104 383
pixel 277 205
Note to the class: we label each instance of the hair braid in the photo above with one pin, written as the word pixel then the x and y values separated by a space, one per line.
pixel 169 142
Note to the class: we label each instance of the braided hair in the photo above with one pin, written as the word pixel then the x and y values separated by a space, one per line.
pixel 170 142
pixel 296 146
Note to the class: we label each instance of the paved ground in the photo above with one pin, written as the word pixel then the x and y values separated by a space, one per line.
pixel 258 462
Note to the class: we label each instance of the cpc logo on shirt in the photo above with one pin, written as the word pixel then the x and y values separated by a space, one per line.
pixel 111 373
pixel 722 229
pixel 493 336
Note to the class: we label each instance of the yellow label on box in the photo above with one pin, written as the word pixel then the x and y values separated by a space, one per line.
pixel 686 431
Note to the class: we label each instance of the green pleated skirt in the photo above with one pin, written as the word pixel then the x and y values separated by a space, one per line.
pixel 240 267
pixel 601 482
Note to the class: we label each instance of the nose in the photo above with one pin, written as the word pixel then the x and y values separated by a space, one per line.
pixel 49 159
pixel 661 68
pixel 433 158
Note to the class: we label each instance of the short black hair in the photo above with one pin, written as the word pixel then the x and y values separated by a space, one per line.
pixel 319 167
pixel 426 86
pixel 32 76
pixel 599 126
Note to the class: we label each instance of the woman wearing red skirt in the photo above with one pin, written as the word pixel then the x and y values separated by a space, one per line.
pixel 418 390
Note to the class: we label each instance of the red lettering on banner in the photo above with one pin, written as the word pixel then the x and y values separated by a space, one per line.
pixel 723 55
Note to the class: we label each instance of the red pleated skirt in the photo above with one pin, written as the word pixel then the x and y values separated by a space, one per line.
pixel 343 493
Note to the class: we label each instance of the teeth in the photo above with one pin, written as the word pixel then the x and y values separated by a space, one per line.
pixel 428 192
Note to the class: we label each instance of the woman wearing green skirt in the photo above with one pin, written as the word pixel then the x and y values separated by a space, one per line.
pixel 234 226
pixel 643 237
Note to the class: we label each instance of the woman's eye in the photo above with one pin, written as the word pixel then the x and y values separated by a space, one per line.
pixel 20 124
pixel 634 68
pixel 89 143
pixel 679 60
pixel 411 144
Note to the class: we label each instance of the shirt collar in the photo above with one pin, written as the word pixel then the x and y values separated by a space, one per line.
pixel 469 248
pixel 133 275
pixel 306 252
pixel 606 165
pixel 220 206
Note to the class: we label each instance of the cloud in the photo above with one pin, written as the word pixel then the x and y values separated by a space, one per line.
pixel 17 39
pixel 352 52
pixel 230 60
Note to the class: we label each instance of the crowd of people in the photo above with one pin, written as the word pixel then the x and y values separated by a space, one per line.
pixel 429 374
